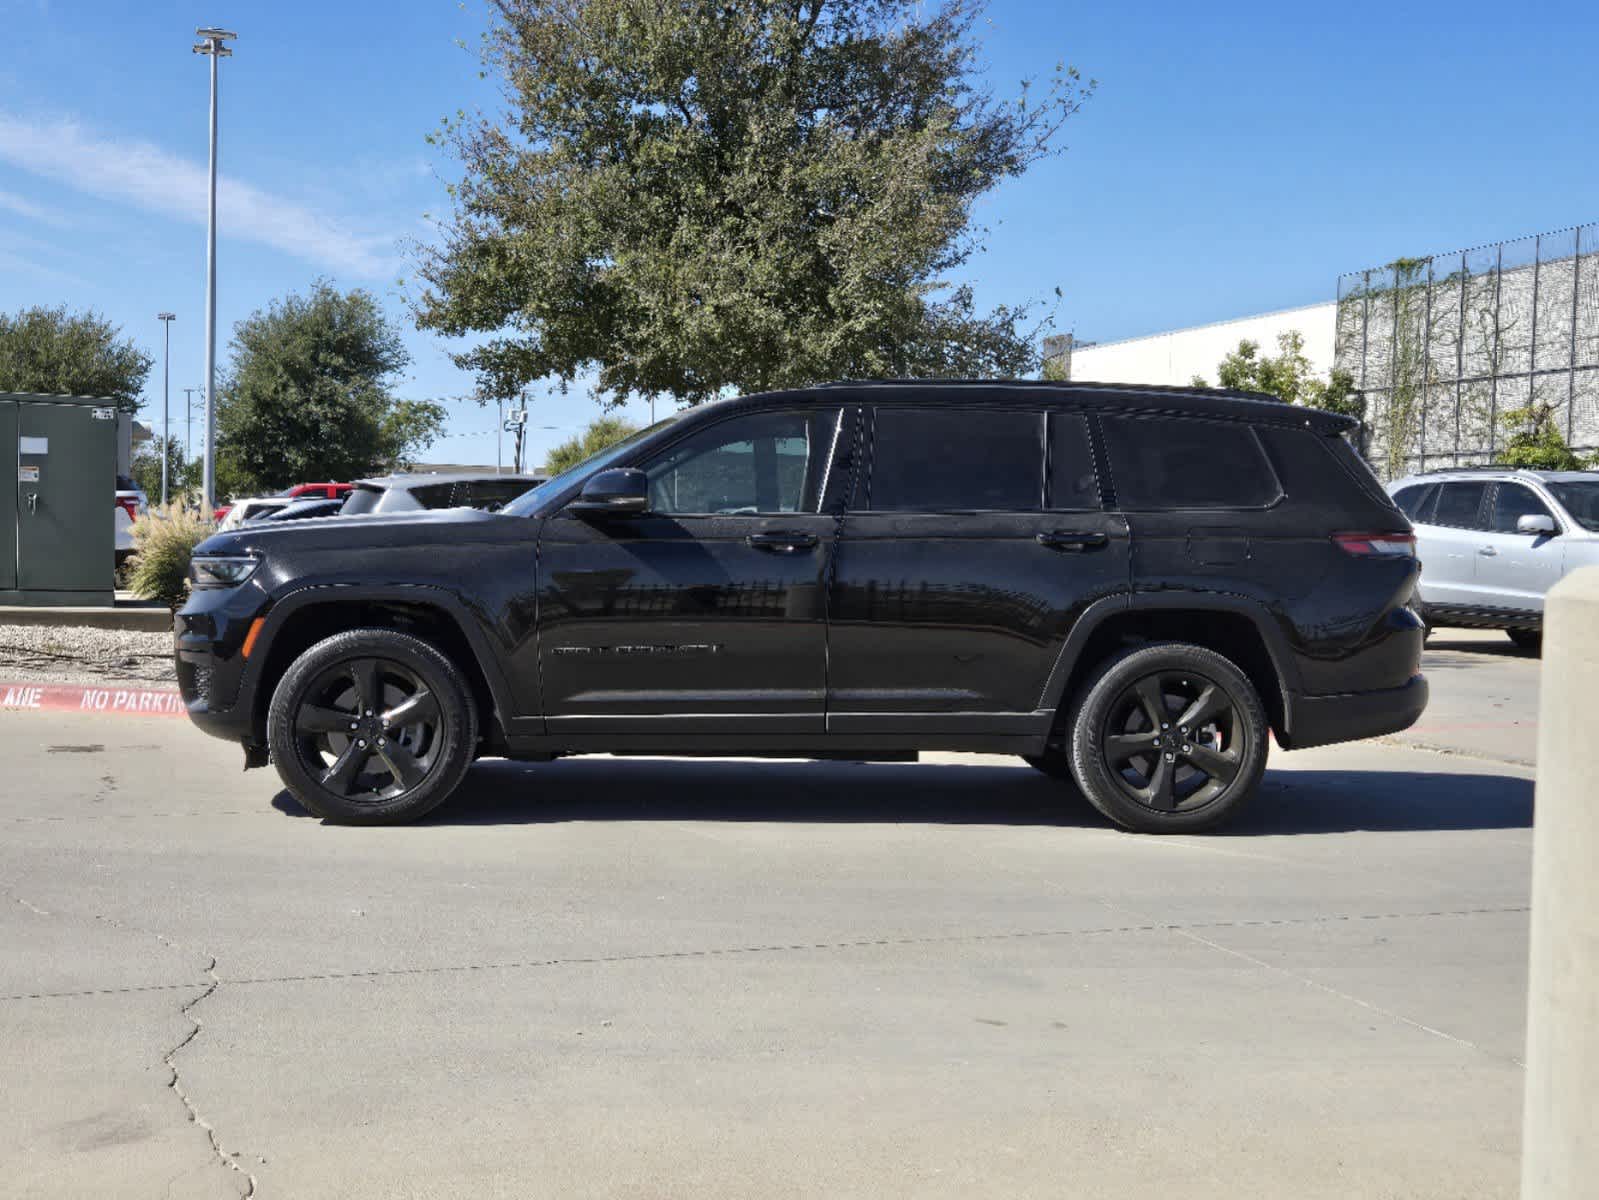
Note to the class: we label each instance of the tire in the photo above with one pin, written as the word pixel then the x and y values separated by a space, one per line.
pixel 349 767
pixel 1055 763
pixel 1194 777
pixel 1527 639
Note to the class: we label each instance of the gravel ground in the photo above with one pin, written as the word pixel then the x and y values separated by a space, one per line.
pixel 78 654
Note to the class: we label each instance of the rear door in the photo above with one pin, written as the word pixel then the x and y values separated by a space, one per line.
pixel 1449 534
pixel 1514 570
pixel 973 541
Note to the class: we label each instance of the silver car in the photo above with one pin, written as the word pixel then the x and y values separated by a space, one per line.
pixel 444 489
pixel 1493 540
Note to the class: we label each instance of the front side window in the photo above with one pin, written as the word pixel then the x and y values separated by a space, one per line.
pixel 1182 462
pixel 957 460
pixel 761 463
pixel 1512 501
pixel 1460 505
pixel 1073 482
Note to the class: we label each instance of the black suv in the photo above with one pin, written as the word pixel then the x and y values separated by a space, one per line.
pixel 1130 587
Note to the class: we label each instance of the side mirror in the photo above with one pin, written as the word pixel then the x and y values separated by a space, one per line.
pixel 1537 524
pixel 624 490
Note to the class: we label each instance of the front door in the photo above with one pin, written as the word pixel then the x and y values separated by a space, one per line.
pixel 1514 570
pixel 708 611
pixel 977 540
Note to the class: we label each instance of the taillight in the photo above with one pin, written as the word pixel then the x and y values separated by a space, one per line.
pixel 130 506
pixel 1377 545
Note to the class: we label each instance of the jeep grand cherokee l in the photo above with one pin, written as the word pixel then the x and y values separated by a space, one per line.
pixel 1133 588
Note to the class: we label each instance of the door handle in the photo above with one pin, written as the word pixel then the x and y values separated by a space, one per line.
pixel 1488 552
pixel 783 543
pixel 1073 542
pixel 33 502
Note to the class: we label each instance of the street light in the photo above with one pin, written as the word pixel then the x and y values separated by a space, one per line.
pixel 212 44
pixel 188 425
pixel 166 320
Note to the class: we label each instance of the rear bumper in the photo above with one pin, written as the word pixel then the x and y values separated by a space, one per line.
pixel 1323 720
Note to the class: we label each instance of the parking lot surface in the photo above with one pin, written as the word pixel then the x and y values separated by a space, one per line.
pixel 644 978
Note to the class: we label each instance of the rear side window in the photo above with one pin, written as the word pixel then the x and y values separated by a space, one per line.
pixel 1410 499
pixel 495 494
pixel 1180 462
pixel 1460 505
pixel 1073 483
pixel 440 495
pixel 957 460
pixel 1512 501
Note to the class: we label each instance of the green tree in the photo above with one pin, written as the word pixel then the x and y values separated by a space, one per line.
pixel 1534 441
pixel 54 351
pixel 307 394
pixel 712 195
pixel 1288 376
pixel 600 434
pixel 146 468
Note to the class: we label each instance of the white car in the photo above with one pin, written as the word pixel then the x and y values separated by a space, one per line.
pixel 443 489
pixel 253 508
pixel 131 504
pixel 1493 540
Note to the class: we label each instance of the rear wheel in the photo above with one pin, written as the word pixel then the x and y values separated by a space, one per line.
pixel 1527 639
pixel 1169 738
pixel 372 726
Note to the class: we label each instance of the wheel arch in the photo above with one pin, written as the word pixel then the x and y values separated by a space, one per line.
pixel 1236 627
pixel 301 619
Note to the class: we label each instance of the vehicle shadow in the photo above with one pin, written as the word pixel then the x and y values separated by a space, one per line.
pixel 639 789
pixel 1443 642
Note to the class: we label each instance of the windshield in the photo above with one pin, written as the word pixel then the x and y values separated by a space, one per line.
pixel 528 501
pixel 1580 498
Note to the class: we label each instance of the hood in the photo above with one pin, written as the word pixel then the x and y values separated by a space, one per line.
pixel 451 525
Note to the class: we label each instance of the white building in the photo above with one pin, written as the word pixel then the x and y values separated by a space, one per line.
pixel 1175 357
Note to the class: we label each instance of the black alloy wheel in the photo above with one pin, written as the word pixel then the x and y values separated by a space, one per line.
pixel 1169 738
pixel 372 726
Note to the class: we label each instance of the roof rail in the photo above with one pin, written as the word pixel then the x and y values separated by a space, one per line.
pixel 1086 385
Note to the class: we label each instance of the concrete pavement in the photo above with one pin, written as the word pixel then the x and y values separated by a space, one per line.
pixel 653 978
pixel 1484 698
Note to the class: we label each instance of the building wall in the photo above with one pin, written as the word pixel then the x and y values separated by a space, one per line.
pixel 1175 357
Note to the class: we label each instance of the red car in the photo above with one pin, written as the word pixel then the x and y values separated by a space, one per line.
pixel 321 491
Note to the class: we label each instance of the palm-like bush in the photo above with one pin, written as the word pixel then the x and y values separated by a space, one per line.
pixel 163 542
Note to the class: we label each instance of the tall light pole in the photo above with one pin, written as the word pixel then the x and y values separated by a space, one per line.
pixel 212 45
pixel 188 425
pixel 166 320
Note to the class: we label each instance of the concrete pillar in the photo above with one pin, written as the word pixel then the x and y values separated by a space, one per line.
pixel 1560 1139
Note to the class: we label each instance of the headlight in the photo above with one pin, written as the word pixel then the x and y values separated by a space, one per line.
pixel 217 571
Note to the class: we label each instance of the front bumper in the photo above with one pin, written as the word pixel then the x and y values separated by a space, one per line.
pixel 1324 720
pixel 209 651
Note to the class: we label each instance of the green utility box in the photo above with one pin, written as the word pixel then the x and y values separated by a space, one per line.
pixel 57 523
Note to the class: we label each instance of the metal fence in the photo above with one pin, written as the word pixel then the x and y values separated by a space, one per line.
pixel 1443 347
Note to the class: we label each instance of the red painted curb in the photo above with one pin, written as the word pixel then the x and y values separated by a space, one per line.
pixel 75 697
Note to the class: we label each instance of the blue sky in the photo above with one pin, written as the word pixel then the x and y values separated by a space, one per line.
pixel 1236 158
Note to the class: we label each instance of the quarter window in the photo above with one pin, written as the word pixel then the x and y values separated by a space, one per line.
pixel 762 463
pixel 1460 505
pixel 957 460
pixel 1179 462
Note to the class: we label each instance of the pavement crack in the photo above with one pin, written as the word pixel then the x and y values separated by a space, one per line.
pixel 170 1058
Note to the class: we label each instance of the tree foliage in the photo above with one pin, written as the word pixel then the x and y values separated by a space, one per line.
pixel 146 469
pixel 698 197
pixel 307 394
pixel 1288 376
pixel 53 351
pixel 1536 443
pixel 600 434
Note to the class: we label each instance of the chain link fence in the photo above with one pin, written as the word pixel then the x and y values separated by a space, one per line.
pixel 1442 347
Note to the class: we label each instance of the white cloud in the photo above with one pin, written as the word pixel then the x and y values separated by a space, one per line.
pixel 24 207
pixel 155 180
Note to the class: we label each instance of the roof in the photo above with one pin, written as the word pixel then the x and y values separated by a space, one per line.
pixel 410 479
pixel 1493 472
pixel 1258 407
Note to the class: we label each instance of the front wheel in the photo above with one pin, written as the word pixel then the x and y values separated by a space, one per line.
pixel 1169 738
pixel 372 726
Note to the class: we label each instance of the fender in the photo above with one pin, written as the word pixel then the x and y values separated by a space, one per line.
pixel 1097 613
pixel 310 595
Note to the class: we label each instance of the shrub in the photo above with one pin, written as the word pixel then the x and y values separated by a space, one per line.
pixel 163 542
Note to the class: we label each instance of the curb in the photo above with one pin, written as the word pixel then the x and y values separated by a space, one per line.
pixel 76 697
pixel 131 617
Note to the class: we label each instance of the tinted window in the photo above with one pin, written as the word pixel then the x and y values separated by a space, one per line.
pixel 1459 505
pixel 1581 500
pixel 1409 499
pixel 1512 502
pixel 1072 481
pixel 957 460
pixel 761 463
pixel 440 495
pixel 1178 462
pixel 493 494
